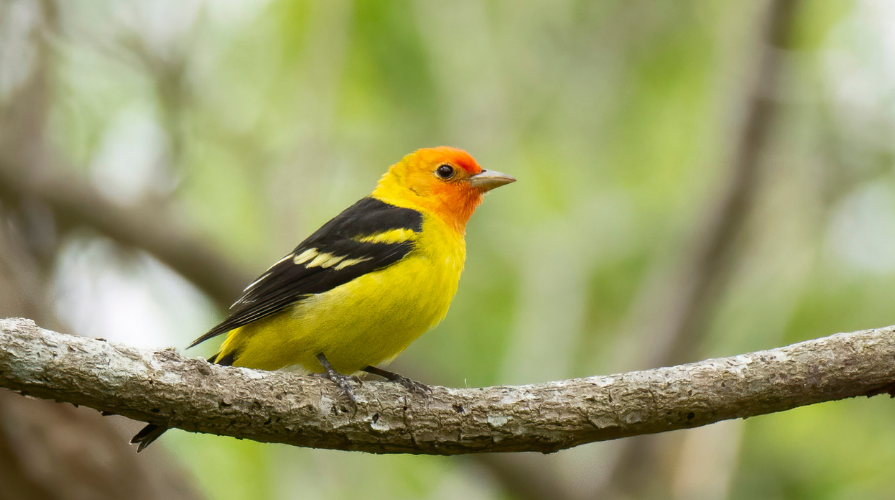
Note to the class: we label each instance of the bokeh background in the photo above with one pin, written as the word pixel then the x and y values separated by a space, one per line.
pixel 696 179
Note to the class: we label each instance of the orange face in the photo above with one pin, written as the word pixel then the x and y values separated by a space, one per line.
pixel 446 181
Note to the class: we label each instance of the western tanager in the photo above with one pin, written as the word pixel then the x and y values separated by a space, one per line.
pixel 364 286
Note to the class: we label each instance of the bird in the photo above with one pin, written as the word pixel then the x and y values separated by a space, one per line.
pixel 360 289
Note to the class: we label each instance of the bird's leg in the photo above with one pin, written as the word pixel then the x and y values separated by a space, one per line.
pixel 341 380
pixel 410 385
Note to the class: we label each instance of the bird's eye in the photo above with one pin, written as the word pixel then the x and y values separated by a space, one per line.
pixel 445 171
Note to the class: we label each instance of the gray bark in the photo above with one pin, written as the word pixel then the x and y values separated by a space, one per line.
pixel 166 388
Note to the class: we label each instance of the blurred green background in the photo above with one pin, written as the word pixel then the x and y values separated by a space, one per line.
pixel 696 179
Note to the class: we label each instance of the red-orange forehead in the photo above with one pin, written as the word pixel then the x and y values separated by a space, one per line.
pixel 447 154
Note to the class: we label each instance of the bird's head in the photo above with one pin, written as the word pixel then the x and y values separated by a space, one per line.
pixel 444 181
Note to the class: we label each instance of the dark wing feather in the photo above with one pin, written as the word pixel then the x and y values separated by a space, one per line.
pixel 286 282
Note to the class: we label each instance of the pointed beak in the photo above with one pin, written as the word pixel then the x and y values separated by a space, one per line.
pixel 486 180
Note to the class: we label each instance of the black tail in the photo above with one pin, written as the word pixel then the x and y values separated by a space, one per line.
pixel 146 436
pixel 152 432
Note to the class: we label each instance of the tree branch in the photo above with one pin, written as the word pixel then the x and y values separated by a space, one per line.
pixel 75 202
pixel 165 387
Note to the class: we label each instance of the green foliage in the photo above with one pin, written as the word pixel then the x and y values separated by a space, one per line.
pixel 619 119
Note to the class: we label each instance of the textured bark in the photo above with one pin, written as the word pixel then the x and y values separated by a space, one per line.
pixel 165 387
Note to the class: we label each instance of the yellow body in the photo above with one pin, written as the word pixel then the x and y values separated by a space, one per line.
pixel 367 321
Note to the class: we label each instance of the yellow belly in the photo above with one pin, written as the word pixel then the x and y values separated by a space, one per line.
pixel 367 321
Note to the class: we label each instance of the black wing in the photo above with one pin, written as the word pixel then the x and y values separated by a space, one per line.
pixel 334 255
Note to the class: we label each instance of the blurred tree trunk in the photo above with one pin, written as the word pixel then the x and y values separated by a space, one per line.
pixel 47 450
pixel 676 335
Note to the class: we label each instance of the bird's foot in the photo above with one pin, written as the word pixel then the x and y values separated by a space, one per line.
pixel 343 381
pixel 412 385
pixel 409 384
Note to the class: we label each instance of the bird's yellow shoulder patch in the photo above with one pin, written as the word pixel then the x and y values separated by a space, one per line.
pixel 392 236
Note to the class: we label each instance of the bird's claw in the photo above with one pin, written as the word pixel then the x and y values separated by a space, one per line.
pixel 344 383
pixel 412 385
